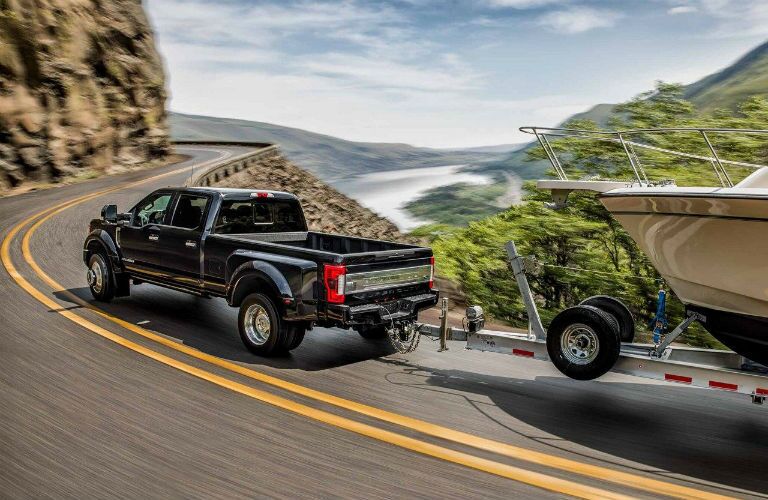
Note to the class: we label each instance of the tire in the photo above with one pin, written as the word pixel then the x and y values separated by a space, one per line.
pixel 583 342
pixel 618 310
pixel 261 329
pixel 372 332
pixel 294 338
pixel 100 277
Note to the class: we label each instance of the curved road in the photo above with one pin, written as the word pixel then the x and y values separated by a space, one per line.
pixel 156 396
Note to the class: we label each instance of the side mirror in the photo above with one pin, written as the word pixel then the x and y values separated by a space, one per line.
pixel 124 218
pixel 109 213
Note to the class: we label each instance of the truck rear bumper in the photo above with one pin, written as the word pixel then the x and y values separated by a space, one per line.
pixel 404 309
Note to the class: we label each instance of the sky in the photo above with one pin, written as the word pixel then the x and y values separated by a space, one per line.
pixel 438 73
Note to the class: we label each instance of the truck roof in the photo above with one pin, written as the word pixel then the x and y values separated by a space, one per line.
pixel 239 193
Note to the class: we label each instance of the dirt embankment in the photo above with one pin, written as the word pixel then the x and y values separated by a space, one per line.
pixel 82 89
pixel 326 209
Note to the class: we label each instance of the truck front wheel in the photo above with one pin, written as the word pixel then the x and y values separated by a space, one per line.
pixel 99 278
pixel 262 330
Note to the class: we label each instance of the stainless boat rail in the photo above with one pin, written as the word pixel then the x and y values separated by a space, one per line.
pixel 628 144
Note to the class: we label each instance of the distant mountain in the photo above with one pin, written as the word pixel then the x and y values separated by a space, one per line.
pixel 327 157
pixel 727 88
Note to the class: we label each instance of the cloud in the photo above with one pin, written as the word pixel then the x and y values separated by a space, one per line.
pixel 737 18
pixel 578 20
pixel 521 4
pixel 682 9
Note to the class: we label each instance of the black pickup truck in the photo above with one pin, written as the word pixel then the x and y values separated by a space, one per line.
pixel 253 249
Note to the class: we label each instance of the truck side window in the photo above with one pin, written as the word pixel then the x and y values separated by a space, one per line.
pixel 189 211
pixel 152 209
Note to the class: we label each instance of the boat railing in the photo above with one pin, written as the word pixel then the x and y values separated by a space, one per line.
pixel 628 141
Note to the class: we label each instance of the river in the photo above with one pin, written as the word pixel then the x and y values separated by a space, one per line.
pixel 386 193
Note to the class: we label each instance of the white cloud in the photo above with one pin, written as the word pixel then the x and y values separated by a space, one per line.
pixel 682 9
pixel 737 18
pixel 578 20
pixel 521 4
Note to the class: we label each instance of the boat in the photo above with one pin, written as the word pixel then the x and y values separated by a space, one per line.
pixel 708 243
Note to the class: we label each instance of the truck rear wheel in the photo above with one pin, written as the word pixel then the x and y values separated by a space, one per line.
pixel 262 330
pixel 372 332
pixel 583 342
pixel 99 277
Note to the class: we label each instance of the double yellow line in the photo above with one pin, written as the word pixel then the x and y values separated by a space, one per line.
pixel 504 470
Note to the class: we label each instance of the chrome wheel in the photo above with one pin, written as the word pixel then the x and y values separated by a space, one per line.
pixel 579 344
pixel 95 276
pixel 257 324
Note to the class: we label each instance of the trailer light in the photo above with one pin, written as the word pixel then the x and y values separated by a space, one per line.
pixel 432 272
pixel 334 278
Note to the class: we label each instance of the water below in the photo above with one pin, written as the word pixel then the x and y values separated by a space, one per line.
pixel 387 193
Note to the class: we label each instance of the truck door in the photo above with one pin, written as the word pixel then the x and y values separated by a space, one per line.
pixel 139 240
pixel 181 239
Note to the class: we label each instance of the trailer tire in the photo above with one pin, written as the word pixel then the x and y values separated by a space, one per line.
pixel 618 310
pixel 261 329
pixel 583 342
pixel 372 332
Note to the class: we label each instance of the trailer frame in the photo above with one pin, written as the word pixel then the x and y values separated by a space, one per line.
pixel 703 368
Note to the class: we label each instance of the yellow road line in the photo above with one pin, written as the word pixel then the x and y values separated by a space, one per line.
pixel 618 477
pixel 515 473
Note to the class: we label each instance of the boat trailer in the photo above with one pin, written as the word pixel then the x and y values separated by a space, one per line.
pixel 696 367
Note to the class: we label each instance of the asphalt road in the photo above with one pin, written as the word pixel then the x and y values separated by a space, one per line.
pixel 90 407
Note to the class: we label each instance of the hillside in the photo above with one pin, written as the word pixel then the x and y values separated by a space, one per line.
pixel 727 88
pixel 81 90
pixel 326 209
pixel 328 157
pixel 723 90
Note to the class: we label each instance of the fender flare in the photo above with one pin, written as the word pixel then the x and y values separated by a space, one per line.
pixel 247 273
pixel 102 238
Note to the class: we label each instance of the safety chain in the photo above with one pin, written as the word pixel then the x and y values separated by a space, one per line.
pixel 412 334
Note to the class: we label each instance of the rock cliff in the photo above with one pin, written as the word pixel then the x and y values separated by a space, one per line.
pixel 81 89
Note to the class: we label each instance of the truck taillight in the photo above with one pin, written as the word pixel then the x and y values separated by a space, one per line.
pixel 334 278
pixel 432 272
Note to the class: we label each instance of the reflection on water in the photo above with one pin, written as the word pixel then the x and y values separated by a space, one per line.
pixel 386 193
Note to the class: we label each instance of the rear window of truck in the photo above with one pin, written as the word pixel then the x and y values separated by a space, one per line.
pixel 259 216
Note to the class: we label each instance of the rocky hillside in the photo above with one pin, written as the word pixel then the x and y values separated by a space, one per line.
pixel 326 209
pixel 81 88
pixel 328 157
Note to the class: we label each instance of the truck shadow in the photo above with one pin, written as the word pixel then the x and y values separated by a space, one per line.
pixel 706 435
pixel 211 326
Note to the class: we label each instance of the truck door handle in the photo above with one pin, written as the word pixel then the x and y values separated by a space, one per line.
pixel 191 243
pixel 154 237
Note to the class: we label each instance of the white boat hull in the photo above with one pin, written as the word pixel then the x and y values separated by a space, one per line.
pixel 712 248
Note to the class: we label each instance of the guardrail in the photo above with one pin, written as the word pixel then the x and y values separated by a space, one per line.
pixel 230 166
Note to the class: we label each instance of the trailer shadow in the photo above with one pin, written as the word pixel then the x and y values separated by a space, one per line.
pixel 706 435
pixel 210 326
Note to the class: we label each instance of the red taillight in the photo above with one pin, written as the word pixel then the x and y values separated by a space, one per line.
pixel 432 273
pixel 334 278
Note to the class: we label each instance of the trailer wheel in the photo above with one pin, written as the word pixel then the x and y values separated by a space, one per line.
pixel 261 328
pixel 99 277
pixel 583 342
pixel 372 332
pixel 618 310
